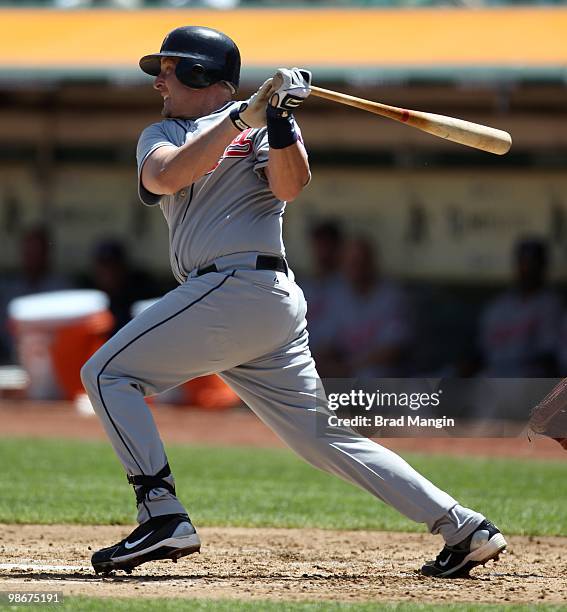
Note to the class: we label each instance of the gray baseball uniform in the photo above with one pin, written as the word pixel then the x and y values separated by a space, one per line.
pixel 246 324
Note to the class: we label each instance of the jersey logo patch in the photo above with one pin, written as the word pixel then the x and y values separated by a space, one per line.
pixel 241 146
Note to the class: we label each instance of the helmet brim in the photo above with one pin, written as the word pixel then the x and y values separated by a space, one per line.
pixel 151 64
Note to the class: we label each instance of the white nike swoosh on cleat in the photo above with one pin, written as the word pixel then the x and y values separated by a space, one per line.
pixel 129 545
pixel 444 563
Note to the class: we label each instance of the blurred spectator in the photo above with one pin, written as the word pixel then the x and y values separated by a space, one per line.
pixel 519 330
pixel 34 276
pixel 373 326
pixel 124 285
pixel 326 242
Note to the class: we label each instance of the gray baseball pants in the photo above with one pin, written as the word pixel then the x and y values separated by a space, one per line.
pixel 249 327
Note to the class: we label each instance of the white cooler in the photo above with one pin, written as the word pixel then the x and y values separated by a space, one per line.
pixel 55 333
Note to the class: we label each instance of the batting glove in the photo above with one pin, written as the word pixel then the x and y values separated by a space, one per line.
pixel 292 86
pixel 252 113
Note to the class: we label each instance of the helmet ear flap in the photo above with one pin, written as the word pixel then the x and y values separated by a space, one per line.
pixel 192 75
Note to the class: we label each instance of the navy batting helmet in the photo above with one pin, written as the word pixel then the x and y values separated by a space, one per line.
pixel 206 57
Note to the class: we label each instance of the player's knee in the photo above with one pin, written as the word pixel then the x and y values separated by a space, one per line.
pixel 89 374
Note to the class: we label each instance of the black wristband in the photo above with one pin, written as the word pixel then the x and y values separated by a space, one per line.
pixel 281 130
pixel 237 121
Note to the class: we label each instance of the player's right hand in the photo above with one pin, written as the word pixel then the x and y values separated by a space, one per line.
pixel 253 112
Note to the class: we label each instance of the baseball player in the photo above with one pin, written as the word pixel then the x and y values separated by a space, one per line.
pixel 518 329
pixel 374 331
pixel 222 171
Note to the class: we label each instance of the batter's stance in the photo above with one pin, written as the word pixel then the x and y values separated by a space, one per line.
pixel 221 172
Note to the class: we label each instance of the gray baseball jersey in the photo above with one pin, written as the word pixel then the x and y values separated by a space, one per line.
pixel 229 210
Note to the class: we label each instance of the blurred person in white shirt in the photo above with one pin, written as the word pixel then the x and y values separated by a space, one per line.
pixel 520 329
pixel 373 320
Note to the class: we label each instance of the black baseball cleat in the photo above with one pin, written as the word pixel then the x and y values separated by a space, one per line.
pixel 170 536
pixel 484 544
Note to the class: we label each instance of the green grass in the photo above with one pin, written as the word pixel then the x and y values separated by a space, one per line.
pixel 49 481
pixel 95 604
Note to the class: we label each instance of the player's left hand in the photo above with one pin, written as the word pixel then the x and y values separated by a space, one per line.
pixel 292 86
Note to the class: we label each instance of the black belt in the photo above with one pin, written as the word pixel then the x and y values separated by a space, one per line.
pixel 263 262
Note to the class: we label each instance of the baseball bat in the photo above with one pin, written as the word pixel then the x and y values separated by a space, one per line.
pixel 457 130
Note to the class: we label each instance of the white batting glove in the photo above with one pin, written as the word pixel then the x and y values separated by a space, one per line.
pixel 292 86
pixel 252 113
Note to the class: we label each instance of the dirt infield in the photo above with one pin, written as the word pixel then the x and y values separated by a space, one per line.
pixel 282 564
pixel 275 564
pixel 240 427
